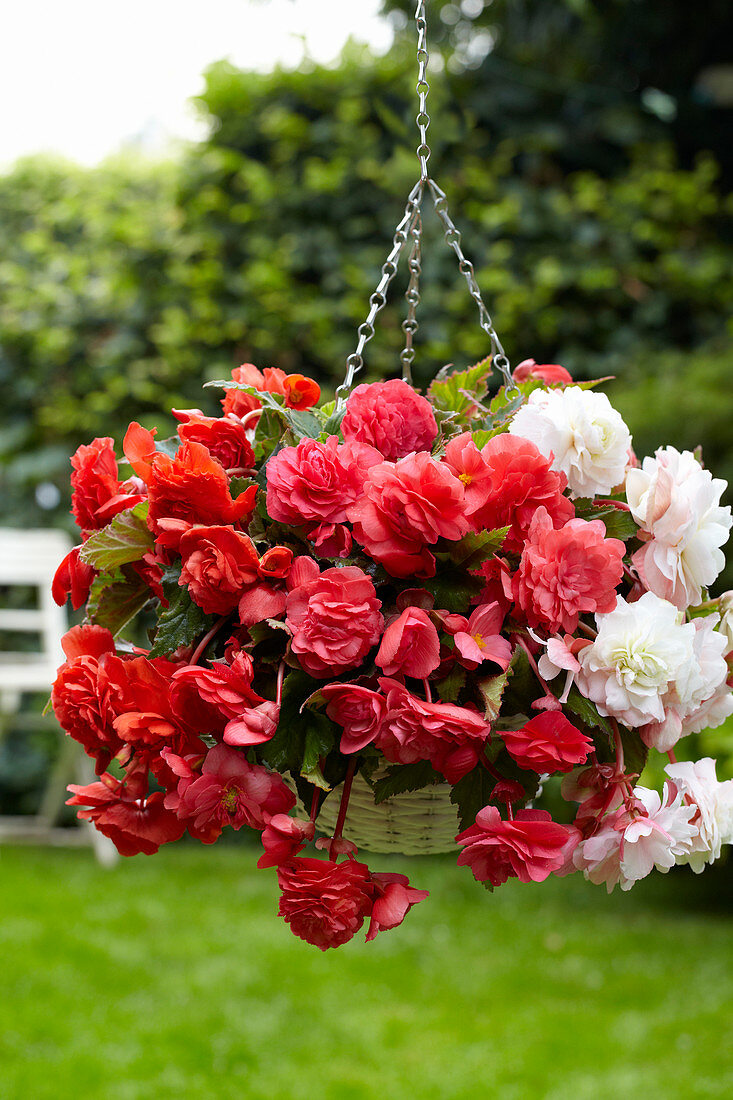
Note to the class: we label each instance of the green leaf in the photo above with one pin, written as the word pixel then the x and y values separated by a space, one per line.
pixel 450 687
pixel 333 413
pixel 460 391
pixel 586 711
pixel 471 794
pixel 123 540
pixel 321 736
pixel 635 751
pixel 405 777
pixel 286 749
pixel 115 599
pixel 492 691
pixel 453 589
pixel 477 547
pixel 183 622
pixel 618 522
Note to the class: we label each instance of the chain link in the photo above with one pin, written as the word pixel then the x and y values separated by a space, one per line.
pixel 499 357
pixel 411 226
pixel 355 361
pixel 412 294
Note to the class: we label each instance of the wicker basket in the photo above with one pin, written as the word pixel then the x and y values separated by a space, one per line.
pixel 416 823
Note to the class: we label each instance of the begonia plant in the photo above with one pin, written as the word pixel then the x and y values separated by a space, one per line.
pixel 422 590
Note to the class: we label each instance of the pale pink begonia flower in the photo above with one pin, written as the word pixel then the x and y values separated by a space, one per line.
pixel 677 504
pixel 658 837
pixel 481 641
pixel 712 805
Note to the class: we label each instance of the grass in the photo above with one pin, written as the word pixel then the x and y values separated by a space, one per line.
pixel 171 977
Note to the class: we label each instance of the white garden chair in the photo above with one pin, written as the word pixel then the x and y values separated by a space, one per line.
pixel 29 559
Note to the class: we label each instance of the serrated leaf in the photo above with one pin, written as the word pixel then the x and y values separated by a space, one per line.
pixel 586 711
pixel 471 794
pixel 477 547
pixel 321 736
pixel 618 522
pixel 460 391
pixel 125 539
pixel 406 777
pixel 453 589
pixel 450 687
pixel 115 599
pixel 492 692
pixel 183 622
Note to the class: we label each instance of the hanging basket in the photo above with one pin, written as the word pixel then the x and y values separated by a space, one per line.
pixel 416 823
pixel 404 611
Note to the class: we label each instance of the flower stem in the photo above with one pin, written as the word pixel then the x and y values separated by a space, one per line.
pixel 428 695
pixel 533 664
pixel 345 794
pixel 280 678
pixel 201 647
pixel 314 804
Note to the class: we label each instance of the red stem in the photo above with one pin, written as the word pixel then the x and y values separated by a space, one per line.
pixel 241 471
pixel 248 416
pixel 533 664
pixel 280 678
pixel 345 794
pixel 314 805
pixel 428 696
pixel 201 647
pixel 620 504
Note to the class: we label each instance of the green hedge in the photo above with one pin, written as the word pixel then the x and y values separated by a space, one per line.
pixel 123 288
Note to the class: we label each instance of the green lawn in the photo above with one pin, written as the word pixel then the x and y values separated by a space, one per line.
pixel 171 977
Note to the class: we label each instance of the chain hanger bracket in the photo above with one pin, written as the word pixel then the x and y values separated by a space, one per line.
pixel 410 228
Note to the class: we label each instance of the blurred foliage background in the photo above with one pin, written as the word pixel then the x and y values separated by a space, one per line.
pixel 584 148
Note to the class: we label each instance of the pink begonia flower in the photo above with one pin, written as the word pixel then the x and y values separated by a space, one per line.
pixel 358 710
pixel 282 838
pixel 449 736
pixel 208 698
pixel 548 743
pixel 391 417
pixel 395 898
pixel 568 572
pixel 324 902
pixel 712 803
pixel 599 855
pixel 677 504
pixel 529 848
pixel 315 482
pixel 481 641
pixel 522 479
pixel 410 645
pixel 335 619
pixel 551 373
pixel 405 507
pixel 465 460
pixel 331 540
pixel 230 791
pixel 253 726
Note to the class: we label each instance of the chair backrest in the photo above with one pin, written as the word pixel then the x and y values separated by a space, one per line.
pixel 30 559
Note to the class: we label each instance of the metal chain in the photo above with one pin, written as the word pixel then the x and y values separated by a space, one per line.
pixel 411 225
pixel 412 294
pixel 355 361
pixel 499 358
pixel 422 88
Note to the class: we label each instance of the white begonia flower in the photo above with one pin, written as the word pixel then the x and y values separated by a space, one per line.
pixel 703 700
pixel 643 654
pixel 713 805
pixel 582 432
pixel 677 503
pixel 658 839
